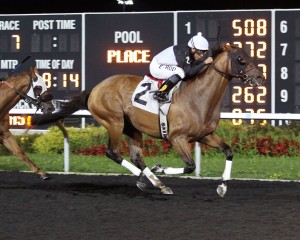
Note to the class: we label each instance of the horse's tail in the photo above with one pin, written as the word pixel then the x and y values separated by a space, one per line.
pixel 78 102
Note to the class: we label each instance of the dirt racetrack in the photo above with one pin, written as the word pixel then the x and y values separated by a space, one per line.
pixel 111 207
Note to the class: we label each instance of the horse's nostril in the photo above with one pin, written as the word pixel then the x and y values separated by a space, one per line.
pixel 47 98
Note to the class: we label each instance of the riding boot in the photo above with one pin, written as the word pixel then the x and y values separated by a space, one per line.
pixel 162 95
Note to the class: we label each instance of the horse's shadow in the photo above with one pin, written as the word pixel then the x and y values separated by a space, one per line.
pixel 85 189
pixel 117 186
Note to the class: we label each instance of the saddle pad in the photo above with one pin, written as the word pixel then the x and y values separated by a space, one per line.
pixel 142 96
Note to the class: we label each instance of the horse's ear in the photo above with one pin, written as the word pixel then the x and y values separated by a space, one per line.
pixel 33 71
pixel 216 51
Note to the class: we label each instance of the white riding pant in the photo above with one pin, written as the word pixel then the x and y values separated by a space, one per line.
pixel 162 71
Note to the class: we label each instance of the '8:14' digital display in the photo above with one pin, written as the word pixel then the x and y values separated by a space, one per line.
pixel 52 41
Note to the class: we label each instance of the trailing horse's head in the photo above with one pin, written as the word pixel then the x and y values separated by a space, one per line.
pixel 38 91
pixel 241 66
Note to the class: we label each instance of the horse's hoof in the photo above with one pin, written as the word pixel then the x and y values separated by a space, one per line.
pixel 141 185
pixel 157 169
pixel 166 190
pixel 46 176
pixel 221 190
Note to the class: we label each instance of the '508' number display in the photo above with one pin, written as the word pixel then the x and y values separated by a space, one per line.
pixel 248 30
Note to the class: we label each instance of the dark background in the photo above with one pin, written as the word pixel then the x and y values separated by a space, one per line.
pixel 72 6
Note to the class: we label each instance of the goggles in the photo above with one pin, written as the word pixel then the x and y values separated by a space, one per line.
pixel 201 53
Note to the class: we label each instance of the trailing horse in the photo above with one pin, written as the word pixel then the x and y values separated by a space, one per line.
pixel 193 116
pixel 31 87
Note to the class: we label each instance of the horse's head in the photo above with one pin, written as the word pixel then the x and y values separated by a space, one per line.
pixel 242 66
pixel 38 91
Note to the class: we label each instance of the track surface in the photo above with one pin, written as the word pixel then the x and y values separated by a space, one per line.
pixel 112 207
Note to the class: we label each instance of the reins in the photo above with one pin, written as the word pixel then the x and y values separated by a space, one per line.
pixel 243 76
pixel 24 96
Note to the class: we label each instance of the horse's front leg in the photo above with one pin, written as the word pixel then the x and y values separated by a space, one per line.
pixel 181 145
pixel 215 141
pixel 10 143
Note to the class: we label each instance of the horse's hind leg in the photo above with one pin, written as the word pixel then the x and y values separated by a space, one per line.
pixel 215 141
pixel 136 155
pixel 8 140
pixel 135 138
pixel 115 133
pixel 135 151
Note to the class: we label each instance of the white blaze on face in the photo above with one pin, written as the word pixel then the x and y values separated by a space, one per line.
pixel 38 83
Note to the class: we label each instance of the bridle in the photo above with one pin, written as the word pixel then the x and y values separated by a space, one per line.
pixel 24 96
pixel 37 102
pixel 241 74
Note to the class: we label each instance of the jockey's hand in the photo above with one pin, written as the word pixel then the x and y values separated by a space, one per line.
pixel 208 60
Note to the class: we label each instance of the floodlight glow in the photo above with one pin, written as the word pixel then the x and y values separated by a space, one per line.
pixel 127 2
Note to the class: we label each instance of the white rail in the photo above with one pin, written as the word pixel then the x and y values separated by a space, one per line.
pixel 224 115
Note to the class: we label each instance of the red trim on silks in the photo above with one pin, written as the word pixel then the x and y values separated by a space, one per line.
pixel 159 81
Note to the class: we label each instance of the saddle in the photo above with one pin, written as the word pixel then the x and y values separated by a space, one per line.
pixel 159 81
pixel 142 98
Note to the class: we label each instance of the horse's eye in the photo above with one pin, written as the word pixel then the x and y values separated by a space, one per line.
pixel 37 90
pixel 241 60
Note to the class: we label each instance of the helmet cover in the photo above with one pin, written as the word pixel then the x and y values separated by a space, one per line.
pixel 198 42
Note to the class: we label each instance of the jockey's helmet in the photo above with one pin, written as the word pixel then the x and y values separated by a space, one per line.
pixel 198 42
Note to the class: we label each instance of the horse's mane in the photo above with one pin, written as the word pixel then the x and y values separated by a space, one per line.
pixel 215 52
pixel 15 76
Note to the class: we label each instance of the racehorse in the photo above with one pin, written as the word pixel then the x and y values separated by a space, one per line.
pixel 193 115
pixel 31 87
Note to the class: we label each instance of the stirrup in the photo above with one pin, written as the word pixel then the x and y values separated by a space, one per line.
pixel 161 96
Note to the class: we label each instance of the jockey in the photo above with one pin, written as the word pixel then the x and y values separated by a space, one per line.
pixel 177 62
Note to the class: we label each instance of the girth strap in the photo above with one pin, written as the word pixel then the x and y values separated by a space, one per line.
pixel 163 123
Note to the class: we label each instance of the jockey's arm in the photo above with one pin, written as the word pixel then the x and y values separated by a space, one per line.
pixel 193 69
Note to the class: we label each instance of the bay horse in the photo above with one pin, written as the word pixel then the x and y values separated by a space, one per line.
pixel 193 116
pixel 31 87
